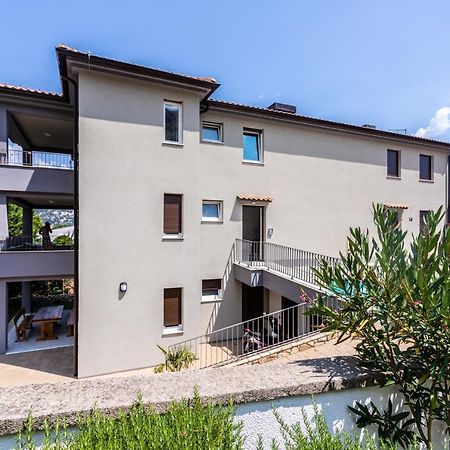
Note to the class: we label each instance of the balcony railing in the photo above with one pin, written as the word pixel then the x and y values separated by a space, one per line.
pixel 254 336
pixel 35 243
pixel 34 158
pixel 289 261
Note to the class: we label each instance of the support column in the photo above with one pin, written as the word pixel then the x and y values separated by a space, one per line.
pixel 3 317
pixel 3 215
pixel 26 296
pixel 27 222
pixel 3 135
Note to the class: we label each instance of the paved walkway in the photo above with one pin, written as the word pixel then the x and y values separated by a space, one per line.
pixel 56 365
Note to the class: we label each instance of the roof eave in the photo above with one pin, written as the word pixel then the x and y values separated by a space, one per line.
pixel 120 67
pixel 322 123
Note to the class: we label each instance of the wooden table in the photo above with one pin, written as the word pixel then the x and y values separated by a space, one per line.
pixel 47 317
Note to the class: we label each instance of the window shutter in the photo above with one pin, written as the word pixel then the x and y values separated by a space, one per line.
pixel 212 284
pixel 172 213
pixel 172 307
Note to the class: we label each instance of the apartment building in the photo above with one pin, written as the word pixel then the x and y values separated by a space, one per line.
pixel 175 193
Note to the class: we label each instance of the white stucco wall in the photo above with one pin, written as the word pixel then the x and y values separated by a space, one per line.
pixel 258 418
pixel 322 183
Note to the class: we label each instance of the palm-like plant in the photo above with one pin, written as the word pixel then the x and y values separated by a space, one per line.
pixel 175 360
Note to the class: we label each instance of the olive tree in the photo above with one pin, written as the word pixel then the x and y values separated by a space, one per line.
pixel 396 302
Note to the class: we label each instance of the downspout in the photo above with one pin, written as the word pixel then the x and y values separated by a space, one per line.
pixel 76 213
pixel 448 190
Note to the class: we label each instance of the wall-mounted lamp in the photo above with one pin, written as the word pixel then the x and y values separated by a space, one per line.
pixel 269 232
pixel 123 286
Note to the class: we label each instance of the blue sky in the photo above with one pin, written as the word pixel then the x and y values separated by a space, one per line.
pixel 381 62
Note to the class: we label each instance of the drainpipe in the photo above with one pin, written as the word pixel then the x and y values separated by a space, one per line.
pixel 448 190
pixel 76 212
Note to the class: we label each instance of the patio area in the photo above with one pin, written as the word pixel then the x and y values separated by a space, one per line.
pixel 61 331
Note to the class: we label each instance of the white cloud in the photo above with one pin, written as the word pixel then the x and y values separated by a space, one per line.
pixel 439 124
pixel 261 96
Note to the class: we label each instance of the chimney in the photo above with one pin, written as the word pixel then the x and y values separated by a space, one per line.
pixel 283 107
pixel 368 125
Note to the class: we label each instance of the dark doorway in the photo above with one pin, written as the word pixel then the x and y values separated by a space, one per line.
pixel 252 230
pixel 290 318
pixel 252 302
pixel 252 223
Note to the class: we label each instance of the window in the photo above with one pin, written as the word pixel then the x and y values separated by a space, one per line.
pixel 172 308
pixel 172 122
pixel 212 132
pixel 426 168
pixel 252 145
pixel 393 163
pixel 211 289
pixel 211 211
pixel 422 220
pixel 173 215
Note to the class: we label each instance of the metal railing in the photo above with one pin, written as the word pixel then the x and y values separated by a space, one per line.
pixel 253 336
pixel 35 158
pixel 35 243
pixel 289 261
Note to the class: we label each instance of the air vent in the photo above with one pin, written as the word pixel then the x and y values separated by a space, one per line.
pixel 283 107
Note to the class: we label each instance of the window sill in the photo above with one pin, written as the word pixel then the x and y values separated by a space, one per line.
pixel 172 144
pixel 425 181
pixel 390 177
pixel 253 163
pixel 172 331
pixel 211 299
pixel 206 141
pixel 212 221
pixel 173 237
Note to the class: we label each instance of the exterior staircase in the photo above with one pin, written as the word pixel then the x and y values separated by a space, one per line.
pixel 247 341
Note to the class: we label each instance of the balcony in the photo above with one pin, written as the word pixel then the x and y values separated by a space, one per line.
pixel 277 267
pixel 28 258
pixel 34 158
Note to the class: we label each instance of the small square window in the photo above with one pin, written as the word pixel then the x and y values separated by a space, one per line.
pixel 393 163
pixel 426 168
pixel 252 140
pixel 211 211
pixel 172 123
pixel 211 289
pixel 211 132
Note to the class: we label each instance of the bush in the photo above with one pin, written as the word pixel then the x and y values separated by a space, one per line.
pixel 175 360
pixel 188 425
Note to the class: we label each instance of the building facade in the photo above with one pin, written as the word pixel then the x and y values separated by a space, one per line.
pixel 166 180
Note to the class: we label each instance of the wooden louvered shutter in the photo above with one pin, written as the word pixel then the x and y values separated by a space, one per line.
pixel 212 284
pixel 172 307
pixel 172 213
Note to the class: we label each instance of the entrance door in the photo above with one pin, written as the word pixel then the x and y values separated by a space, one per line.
pixel 252 302
pixel 253 231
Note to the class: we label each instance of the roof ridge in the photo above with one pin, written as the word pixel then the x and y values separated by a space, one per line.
pixel 28 89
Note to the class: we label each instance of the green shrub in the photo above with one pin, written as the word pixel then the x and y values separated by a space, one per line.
pixel 313 434
pixel 175 360
pixel 188 425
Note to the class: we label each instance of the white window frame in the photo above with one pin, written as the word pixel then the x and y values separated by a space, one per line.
pixel 430 180
pixel 218 126
pixel 219 219
pixel 212 297
pixel 259 135
pixel 179 105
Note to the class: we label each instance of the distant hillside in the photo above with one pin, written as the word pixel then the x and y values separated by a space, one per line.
pixel 56 217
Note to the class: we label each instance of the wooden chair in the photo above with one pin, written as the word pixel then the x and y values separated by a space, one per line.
pixel 70 323
pixel 22 326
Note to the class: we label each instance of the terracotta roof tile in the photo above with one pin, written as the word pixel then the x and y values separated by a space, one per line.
pixel 396 205
pixel 27 89
pixel 255 198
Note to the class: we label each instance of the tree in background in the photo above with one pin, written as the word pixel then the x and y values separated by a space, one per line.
pixel 397 302
pixel 15 221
